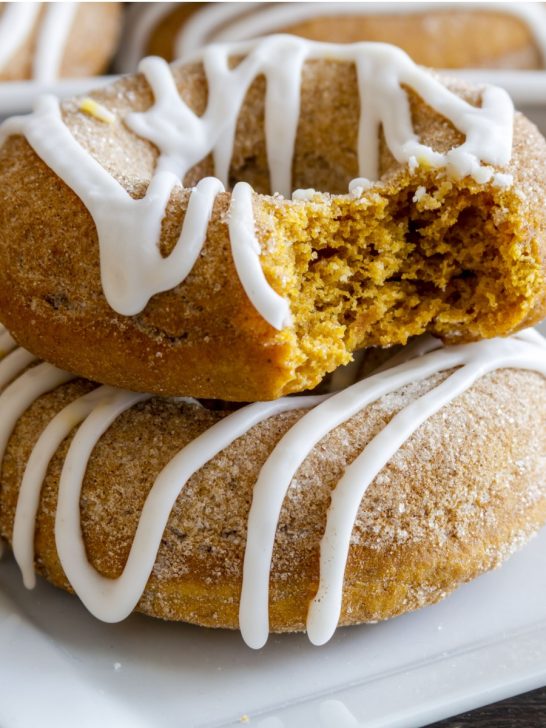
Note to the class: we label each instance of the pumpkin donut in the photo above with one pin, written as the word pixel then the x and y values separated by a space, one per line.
pixel 347 507
pixel 481 35
pixel 46 41
pixel 122 260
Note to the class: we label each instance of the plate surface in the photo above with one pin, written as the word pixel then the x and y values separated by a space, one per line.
pixel 60 667
pixel 17 97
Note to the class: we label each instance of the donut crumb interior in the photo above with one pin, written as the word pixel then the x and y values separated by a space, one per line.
pixel 435 255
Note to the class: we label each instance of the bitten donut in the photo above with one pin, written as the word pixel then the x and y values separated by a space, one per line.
pixel 305 512
pixel 122 260
pixel 441 35
pixel 46 41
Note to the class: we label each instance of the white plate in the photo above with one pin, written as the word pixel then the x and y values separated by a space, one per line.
pixel 60 667
pixel 17 97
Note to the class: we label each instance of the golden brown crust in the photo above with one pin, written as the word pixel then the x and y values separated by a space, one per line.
pixel 440 39
pixel 461 494
pixel 204 338
pixel 90 46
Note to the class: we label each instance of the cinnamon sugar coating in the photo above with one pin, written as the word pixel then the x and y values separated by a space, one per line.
pixel 462 260
pixel 465 491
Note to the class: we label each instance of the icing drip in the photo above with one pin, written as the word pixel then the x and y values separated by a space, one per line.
pixel 16 25
pixel 23 391
pixel 245 249
pixel 7 342
pixel 13 364
pixel 52 39
pixel 113 599
pixel 132 267
pixel 35 472
pixel 223 22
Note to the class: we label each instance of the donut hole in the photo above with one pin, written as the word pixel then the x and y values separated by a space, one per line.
pixel 427 256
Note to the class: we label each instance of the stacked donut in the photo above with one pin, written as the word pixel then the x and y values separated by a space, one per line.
pixel 197 248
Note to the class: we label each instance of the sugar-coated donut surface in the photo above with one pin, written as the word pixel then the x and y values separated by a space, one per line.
pixel 346 507
pixel 272 293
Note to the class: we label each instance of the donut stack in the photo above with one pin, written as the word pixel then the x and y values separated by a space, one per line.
pixel 190 259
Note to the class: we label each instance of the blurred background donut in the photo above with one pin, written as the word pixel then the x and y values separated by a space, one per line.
pixel 46 41
pixel 443 35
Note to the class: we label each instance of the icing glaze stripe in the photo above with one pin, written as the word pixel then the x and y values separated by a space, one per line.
pixel 23 391
pixel 16 23
pixel 7 342
pixel 245 249
pixel 35 472
pixel 14 364
pixel 52 39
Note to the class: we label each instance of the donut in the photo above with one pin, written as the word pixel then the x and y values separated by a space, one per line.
pixel 483 35
pixel 46 41
pixel 306 512
pixel 123 261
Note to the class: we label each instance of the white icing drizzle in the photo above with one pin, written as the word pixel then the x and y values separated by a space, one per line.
pixel 17 22
pixel 132 267
pixel 221 22
pixel 245 249
pixel 17 397
pixel 52 40
pixel 35 472
pixel 7 342
pixel 113 599
pixel 14 363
